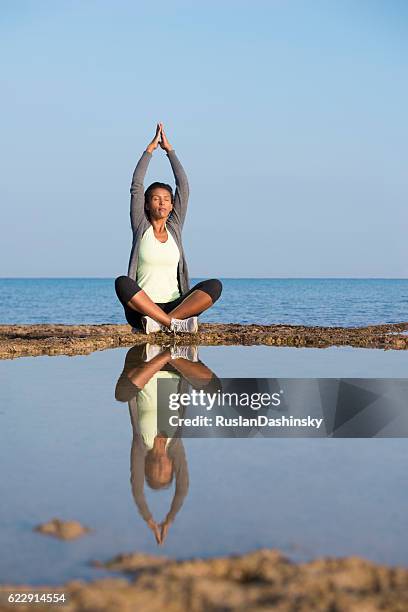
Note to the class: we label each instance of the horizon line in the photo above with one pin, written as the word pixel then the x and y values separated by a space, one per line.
pixel 221 277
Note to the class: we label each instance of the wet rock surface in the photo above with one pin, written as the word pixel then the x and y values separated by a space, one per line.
pixel 46 339
pixel 262 580
pixel 64 530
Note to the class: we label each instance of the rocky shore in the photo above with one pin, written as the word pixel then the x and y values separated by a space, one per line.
pixel 47 339
pixel 258 581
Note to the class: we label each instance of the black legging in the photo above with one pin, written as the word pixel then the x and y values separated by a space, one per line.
pixel 126 288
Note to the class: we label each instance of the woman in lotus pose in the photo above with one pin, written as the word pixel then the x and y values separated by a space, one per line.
pixel 156 293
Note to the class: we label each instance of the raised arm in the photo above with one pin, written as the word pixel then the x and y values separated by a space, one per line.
pixel 137 211
pixel 181 471
pixel 182 187
pixel 182 481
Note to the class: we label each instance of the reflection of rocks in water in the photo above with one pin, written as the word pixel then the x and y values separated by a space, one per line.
pixel 64 530
pixel 20 340
pixel 263 580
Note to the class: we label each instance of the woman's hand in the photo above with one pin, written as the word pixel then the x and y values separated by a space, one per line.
pixel 164 143
pixel 156 529
pixel 155 142
pixel 164 530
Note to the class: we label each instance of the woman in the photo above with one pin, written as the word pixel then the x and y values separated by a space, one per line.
pixel 155 294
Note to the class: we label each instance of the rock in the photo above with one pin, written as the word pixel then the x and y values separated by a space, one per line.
pixel 24 340
pixel 64 530
pixel 258 581
pixel 131 562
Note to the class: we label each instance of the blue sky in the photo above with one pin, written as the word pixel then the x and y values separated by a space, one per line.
pixel 288 116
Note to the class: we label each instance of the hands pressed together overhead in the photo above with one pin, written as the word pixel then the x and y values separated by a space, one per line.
pixel 160 530
pixel 160 138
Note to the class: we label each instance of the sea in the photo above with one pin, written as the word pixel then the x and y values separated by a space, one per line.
pixel 340 302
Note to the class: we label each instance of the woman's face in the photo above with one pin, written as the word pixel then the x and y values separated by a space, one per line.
pixel 160 205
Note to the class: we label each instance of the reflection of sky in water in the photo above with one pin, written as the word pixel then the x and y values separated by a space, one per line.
pixel 65 450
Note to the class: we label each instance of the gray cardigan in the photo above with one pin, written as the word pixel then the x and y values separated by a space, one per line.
pixel 140 223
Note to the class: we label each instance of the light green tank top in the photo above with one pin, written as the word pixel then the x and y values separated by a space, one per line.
pixel 147 408
pixel 157 267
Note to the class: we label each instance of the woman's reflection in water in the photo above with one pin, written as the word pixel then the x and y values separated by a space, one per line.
pixel 158 456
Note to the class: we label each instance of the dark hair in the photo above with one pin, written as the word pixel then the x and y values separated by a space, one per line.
pixel 153 484
pixel 155 186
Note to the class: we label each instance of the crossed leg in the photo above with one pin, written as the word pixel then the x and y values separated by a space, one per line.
pixel 192 305
pixel 198 299
pixel 145 305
